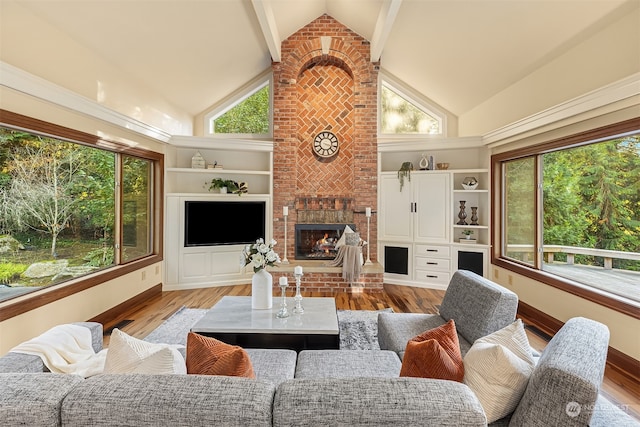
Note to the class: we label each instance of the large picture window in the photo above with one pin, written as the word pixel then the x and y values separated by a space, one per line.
pixel 72 206
pixel 570 213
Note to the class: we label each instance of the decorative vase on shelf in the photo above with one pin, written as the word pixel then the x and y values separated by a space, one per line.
pixel 462 215
pixel 261 290
pixel 474 215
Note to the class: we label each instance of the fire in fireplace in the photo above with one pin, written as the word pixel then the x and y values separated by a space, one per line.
pixel 318 241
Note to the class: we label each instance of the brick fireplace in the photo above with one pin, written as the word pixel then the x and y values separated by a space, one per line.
pixel 325 82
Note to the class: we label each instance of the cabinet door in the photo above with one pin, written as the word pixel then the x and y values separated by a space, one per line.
pixel 395 221
pixel 432 194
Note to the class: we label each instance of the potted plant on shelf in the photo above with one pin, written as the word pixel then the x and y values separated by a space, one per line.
pixel 228 185
pixel 467 234
pixel 219 184
pixel 405 172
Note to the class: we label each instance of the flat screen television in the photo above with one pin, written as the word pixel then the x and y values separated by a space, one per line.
pixel 213 223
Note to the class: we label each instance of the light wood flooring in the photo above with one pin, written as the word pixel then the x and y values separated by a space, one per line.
pixel 145 317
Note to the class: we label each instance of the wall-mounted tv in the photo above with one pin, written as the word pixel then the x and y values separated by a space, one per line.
pixel 212 223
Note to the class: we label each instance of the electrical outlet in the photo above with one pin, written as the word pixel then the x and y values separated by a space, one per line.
pixel 510 280
pixel 157 270
pixel 496 273
pixel 144 275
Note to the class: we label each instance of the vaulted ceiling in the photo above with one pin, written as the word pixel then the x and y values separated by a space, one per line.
pixel 457 53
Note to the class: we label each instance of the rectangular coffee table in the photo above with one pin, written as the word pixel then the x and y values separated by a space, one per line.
pixel 233 321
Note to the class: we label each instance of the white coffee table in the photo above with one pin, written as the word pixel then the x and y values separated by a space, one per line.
pixel 233 321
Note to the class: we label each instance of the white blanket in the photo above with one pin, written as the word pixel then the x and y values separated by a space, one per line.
pixel 66 349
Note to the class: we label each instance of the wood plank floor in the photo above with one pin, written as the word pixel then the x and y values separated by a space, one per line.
pixel 145 317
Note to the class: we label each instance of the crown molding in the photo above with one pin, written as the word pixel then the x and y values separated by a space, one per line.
pixel 606 95
pixel 19 80
pixel 231 144
pixel 428 143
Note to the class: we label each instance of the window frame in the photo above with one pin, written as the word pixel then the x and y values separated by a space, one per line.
pixel 588 137
pixel 26 302
pixel 265 79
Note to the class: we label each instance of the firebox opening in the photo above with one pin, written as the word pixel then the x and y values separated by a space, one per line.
pixel 318 241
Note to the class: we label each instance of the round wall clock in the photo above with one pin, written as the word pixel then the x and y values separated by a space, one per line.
pixel 325 144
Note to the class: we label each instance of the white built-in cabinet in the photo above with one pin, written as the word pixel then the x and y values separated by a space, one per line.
pixel 243 161
pixel 418 212
pixel 420 242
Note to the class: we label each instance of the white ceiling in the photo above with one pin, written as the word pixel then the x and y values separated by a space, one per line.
pixel 458 53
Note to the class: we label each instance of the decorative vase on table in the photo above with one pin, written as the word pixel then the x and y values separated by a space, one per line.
pixel 262 290
pixel 259 256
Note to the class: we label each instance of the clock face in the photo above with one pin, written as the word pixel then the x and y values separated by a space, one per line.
pixel 325 144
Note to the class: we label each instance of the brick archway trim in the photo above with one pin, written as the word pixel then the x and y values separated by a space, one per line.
pixel 309 53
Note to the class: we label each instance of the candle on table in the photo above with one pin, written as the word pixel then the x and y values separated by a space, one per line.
pixel 297 270
pixel 283 281
pixel 368 212
pixel 285 210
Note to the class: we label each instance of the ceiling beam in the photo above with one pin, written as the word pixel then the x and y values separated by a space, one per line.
pixel 386 17
pixel 269 29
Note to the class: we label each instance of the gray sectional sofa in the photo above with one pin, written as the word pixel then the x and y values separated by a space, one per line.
pixel 327 387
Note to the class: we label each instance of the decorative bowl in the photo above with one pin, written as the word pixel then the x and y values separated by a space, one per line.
pixel 470 183
pixel 442 166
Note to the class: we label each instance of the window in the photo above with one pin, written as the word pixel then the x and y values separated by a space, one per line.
pixel 402 114
pixel 136 207
pixel 246 113
pixel 570 213
pixel 62 216
pixel 519 209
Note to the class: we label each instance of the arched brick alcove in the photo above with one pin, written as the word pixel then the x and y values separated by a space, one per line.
pixel 316 90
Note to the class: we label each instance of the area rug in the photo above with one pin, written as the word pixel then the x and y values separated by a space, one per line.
pixel 174 330
pixel 358 328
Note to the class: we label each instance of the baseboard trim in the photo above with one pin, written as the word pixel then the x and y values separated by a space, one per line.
pixel 117 311
pixel 624 364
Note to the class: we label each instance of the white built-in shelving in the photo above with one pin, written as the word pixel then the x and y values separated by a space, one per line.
pixel 421 221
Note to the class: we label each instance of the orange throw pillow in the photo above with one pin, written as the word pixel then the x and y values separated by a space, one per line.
pixel 434 354
pixel 209 356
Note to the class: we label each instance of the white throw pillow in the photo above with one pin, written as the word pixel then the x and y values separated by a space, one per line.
pixel 497 369
pixel 127 354
pixel 343 238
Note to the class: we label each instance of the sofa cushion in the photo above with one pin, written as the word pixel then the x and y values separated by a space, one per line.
pixel 130 355
pixel 168 400
pixel 375 402
pixel 20 362
pixel 209 356
pixel 434 354
pixel 478 305
pixel 564 386
pixel 347 364
pixel 273 365
pixel 34 399
pixel 396 329
pixel 497 369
